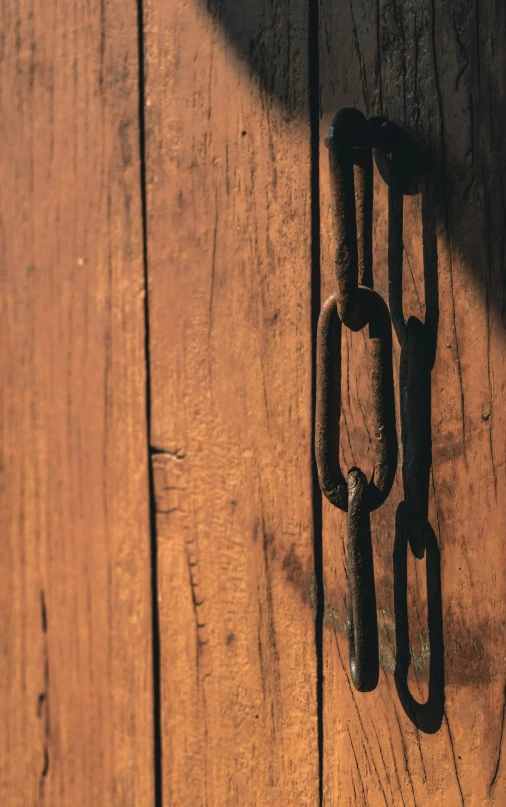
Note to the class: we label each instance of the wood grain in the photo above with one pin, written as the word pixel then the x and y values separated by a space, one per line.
pixel 438 70
pixel 228 181
pixel 75 658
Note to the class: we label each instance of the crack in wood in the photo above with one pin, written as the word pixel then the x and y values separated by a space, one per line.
pixel 43 711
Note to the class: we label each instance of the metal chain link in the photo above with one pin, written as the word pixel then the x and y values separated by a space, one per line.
pixel 356 305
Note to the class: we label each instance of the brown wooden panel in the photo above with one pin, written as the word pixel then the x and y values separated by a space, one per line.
pixel 228 178
pixel 75 659
pixel 437 69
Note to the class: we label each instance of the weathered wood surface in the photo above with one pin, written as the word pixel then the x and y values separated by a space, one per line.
pixel 228 189
pixel 75 658
pixel 437 69
pixel 228 169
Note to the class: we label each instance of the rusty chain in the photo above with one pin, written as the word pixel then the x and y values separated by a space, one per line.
pixel 355 305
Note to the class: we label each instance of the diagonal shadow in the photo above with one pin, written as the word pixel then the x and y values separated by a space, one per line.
pixel 386 60
pixel 382 59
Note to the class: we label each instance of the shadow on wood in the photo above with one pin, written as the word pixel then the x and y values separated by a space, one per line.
pixel 418 342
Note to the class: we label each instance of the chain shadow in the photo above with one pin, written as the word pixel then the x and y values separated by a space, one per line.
pixel 412 528
pixel 426 716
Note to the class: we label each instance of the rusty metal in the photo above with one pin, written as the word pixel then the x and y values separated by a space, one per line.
pixel 362 627
pixel 363 182
pixel 351 142
pixel 348 132
pixel 328 401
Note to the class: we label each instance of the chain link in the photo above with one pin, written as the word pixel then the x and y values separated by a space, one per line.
pixel 356 305
pixel 362 625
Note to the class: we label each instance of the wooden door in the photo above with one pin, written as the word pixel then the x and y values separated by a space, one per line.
pixel 76 649
pixel 229 267
pixel 174 598
pixel 436 735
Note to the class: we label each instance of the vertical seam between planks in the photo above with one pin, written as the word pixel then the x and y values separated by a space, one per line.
pixel 155 618
pixel 314 124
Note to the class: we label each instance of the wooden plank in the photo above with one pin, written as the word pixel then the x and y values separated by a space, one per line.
pixel 228 178
pixel 75 660
pixel 438 70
